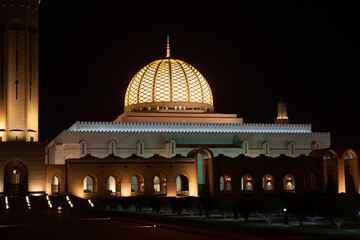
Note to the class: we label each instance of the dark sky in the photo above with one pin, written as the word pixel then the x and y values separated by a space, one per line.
pixel 252 54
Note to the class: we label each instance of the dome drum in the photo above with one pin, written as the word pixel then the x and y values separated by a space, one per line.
pixel 169 106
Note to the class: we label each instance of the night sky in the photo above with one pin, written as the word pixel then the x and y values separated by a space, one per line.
pixel 252 54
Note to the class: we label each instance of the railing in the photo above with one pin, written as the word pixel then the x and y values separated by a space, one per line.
pixel 134 194
pixel 247 191
pixel 115 194
pixel 89 194
pixel 182 193
pixel 289 191
pixel 160 193
pixel 268 191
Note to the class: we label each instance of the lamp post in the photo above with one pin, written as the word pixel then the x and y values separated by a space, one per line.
pixel 286 219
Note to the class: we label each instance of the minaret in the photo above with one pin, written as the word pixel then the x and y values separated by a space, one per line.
pixel 282 117
pixel 19 98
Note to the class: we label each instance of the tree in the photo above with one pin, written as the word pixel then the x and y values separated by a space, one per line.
pixel 245 206
pixel 269 207
pixel 226 205
pixel 339 208
pixel 301 206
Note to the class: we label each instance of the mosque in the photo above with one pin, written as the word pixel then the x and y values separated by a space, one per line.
pixel 168 142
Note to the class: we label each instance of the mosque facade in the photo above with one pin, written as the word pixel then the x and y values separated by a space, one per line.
pixel 168 142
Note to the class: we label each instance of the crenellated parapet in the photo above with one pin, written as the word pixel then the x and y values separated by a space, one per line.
pixel 189 127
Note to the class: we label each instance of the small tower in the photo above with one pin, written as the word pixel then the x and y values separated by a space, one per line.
pixel 282 117
pixel 19 106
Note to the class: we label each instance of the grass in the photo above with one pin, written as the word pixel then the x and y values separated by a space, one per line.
pixel 252 227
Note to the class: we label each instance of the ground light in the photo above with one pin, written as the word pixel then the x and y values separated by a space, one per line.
pixel 6 203
pixel 91 204
pixel 28 202
pixel 48 200
pixel 70 203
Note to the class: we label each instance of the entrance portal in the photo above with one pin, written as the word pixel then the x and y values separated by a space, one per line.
pixel 15 178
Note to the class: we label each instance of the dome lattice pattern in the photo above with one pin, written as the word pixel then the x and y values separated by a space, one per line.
pixel 168 81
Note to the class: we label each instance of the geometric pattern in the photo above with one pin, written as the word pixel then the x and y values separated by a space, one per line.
pixel 168 80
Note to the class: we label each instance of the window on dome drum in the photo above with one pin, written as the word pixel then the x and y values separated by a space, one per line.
pixel 266 148
pixel 82 148
pixel 112 147
pixel 289 183
pixel 137 185
pixel 172 148
pixel 247 184
pixel 245 147
pixel 90 184
pixel 291 148
pixel 225 183
pixel 268 182
pixel 140 148
pixel 315 145
pixel 182 185
pixel 55 186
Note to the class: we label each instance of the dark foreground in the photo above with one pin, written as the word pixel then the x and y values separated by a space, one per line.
pixel 70 224
pixel 74 224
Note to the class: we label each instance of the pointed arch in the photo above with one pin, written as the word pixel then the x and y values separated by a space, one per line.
pixel 16 178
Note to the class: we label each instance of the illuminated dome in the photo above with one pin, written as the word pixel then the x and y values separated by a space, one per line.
pixel 168 84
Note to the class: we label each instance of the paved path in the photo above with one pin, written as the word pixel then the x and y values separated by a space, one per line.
pixel 67 225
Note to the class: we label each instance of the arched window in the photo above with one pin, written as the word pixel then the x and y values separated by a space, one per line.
pixel 349 184
pixel 291 148
pixel 55 186
pixel 225 183
pixel 156 184
pixel 247 182
pixel 15 176
pixel 90 184
pixel 348 155
pixel 172 148
pixel 221 183
pixel 134 184
pixel 160 186
pixel 32 27
pixel 111 184
pixel 245 146
pixel 310 182
pixel 182 185
pixel 266 148
pixel 140 148
pixel 137 185
pixel 83 151
pixel 268 182
pixel 289 182
pixel 315 145
pixel 17 25
pixel 112 147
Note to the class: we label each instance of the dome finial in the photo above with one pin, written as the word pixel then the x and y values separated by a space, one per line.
pixel 168 47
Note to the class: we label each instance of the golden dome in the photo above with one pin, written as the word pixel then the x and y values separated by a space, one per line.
pixel 168 84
